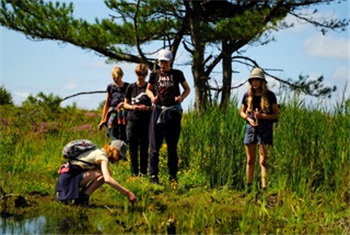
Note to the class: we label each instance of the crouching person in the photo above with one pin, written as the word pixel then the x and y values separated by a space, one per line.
pixel 79 178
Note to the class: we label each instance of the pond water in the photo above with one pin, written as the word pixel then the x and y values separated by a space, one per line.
pixel 27 226
pixel 46 225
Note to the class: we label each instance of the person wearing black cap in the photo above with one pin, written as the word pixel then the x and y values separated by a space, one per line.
pixel 79 178
pixel 260 110
pixel 164 91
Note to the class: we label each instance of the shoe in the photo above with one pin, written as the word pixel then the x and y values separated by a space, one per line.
pixel 83 200
pixel 172 179
pixel 154 179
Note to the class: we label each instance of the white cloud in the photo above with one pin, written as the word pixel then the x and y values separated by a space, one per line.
pixel 22 95
pixel 70 85
pixel 327 47
pixel 19 97
pixel 341 72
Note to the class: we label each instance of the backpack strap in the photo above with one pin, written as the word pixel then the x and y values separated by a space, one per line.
pixel 89 163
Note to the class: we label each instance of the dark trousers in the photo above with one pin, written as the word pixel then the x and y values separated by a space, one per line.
pixel 171 132
pixel 137 132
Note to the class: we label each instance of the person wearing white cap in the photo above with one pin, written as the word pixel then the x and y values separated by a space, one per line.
pixel 79 178
pixel 164 91
pixel 260 110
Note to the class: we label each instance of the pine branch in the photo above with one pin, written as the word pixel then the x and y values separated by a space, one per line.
pixel 82 93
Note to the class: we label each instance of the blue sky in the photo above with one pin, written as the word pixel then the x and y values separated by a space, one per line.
pixel 29 67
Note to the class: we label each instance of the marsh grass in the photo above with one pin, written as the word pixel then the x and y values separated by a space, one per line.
pixel 308 189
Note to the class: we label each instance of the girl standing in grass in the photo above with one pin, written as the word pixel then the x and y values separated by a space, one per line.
pixel 260 110
pixel 114 114
pixel 79 178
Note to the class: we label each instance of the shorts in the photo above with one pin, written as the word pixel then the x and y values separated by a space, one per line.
pixel 68 184
pixel 262 134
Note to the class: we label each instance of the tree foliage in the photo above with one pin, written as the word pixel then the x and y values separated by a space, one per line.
pixel 50 101
pixel 210 31
pixel 5 96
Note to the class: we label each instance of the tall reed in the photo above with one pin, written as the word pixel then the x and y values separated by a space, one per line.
pixel 310 151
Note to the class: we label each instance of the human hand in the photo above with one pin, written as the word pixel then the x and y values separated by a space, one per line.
pixel 142 107
pixel 179 99
pixel 154 100
pixel 100 126
pixel 132 198
pixel 257 115
pixel 120 105
pixel 251 122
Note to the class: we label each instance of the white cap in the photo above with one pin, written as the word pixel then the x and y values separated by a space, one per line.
pixel 165 55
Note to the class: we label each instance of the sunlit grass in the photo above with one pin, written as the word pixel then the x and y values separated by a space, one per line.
pixel 308 175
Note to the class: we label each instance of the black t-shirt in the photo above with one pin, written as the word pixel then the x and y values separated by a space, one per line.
pixel 116 93
pixel 137 96
pixel 166 85
pixel 271 97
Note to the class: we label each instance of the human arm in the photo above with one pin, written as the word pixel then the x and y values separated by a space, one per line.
pixel 273 116
pixel 274 113
pixel 184 94
pixel 245 116
pixel 127 104
pixel 121 105
pixel 114 184
pixel 104 113
pixel 149 92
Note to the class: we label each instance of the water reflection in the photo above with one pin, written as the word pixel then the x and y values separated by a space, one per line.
pixel 78 224
pixel 27 226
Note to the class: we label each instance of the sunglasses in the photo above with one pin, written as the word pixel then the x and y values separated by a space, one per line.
pixel 141 74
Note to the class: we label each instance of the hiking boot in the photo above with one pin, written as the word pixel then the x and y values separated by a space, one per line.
pixel 154 179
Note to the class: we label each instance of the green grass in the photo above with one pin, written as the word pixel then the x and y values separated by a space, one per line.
pixel 308 173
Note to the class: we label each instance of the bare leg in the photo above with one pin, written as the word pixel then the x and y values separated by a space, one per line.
pixel 263 150
pixel 95 178
pixel 250 150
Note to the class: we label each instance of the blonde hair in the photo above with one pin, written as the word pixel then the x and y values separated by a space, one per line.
pixel 143 68
pixel 117 71
pixel 264 103
pixel 109 153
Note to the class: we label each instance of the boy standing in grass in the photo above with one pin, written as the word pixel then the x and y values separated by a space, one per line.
pixel 139 112
pixel 259 109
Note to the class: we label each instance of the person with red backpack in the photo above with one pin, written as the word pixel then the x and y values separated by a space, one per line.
pixel 88 171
